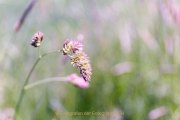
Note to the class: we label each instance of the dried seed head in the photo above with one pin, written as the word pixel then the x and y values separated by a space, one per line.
pixel 37 39
pixel 71 46
pixel 81 61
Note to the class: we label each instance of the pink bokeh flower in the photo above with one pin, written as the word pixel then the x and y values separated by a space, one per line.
pixel 172 10
pixel 77 81
pixel 6 114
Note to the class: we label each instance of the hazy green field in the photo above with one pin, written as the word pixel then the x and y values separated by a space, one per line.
pixel 133 46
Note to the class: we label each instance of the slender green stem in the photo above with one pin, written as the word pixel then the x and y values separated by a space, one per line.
pixel 43 55
pixel 22 90
pixel 27 80
pixel 52 79
pixel 39 54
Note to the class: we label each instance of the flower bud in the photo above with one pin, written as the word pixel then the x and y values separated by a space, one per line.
pixel 37 39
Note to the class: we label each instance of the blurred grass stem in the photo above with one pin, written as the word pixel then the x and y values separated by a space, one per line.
pixel 27 80
pixel 21 20
pixel 52 79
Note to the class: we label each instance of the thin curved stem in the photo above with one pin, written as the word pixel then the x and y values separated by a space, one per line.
pixel 52 79
pixel 43 55
pixel 22 90
pixel 27 80
pixel 39 54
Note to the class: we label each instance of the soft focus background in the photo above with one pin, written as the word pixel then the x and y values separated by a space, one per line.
pixel 134 47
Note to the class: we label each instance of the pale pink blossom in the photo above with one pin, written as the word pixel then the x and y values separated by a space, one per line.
pixel 77 81
pixel 122 68
pixel 6 114
pixel 157 113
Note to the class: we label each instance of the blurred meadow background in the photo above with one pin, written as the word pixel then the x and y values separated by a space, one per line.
pixel 133 45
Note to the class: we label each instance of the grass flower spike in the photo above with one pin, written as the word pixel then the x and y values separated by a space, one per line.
pixel 71 46
pixel 37 39
pixel 79 59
